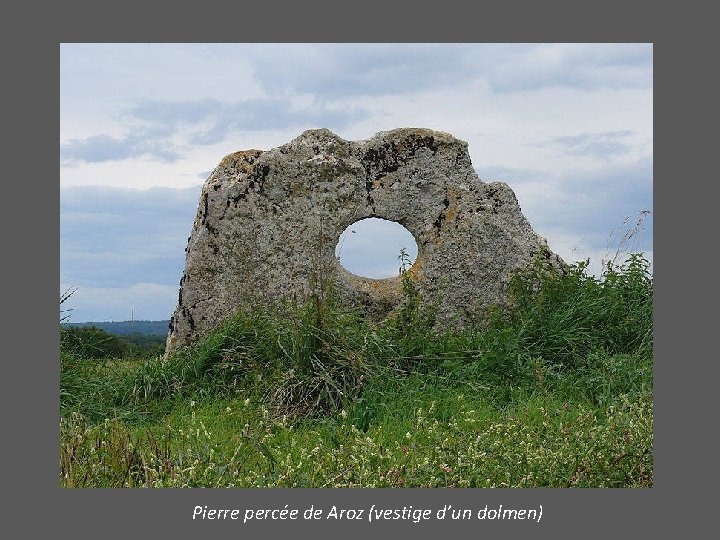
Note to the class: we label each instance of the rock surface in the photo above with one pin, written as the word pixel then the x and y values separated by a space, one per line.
pixel 268 222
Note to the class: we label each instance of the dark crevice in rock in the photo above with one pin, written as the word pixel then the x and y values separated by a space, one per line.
pixel 260 175
pixel 235 200
pixel 369 200
pixel 189 318
pixel 391 156
pixel 205 208
pixel 239 197
pixel 439 221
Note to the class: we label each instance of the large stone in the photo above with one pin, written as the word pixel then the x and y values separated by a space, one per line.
pixel 268 223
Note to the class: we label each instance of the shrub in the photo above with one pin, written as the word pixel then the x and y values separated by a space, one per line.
pixel 562 317
pixel 90 342
pixel 556 391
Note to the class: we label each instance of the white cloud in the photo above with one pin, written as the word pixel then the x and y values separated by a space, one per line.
pixel 568 126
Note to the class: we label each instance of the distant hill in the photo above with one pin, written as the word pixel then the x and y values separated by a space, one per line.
pixel 126 328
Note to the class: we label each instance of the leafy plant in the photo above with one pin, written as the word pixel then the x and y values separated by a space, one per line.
pixel 90 342
pixel 555 391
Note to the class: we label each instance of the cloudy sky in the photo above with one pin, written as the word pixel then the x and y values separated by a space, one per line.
pixel 567 126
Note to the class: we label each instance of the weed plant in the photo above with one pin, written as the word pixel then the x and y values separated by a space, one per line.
pixel 556 390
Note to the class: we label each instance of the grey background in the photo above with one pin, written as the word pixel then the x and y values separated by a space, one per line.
pixel 680 502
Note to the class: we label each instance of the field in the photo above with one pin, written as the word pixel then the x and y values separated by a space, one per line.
pixel 553 391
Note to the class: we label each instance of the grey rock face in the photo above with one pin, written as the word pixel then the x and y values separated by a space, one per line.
pixel 268 223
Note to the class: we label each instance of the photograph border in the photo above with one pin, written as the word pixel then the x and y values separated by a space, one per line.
pixel 32 53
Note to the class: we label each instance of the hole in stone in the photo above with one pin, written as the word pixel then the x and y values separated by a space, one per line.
pixel 371 248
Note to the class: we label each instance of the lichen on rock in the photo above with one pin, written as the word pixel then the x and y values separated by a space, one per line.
pixel 268 222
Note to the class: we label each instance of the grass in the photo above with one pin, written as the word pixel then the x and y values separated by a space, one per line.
pixel 555 390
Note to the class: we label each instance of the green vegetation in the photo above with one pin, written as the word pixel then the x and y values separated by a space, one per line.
pixel 553 391
pixel 93 342
pixel 125 328
pixel 90 342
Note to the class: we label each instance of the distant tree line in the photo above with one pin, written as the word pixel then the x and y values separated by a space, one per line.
pixel 124 328
pixel 95 343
